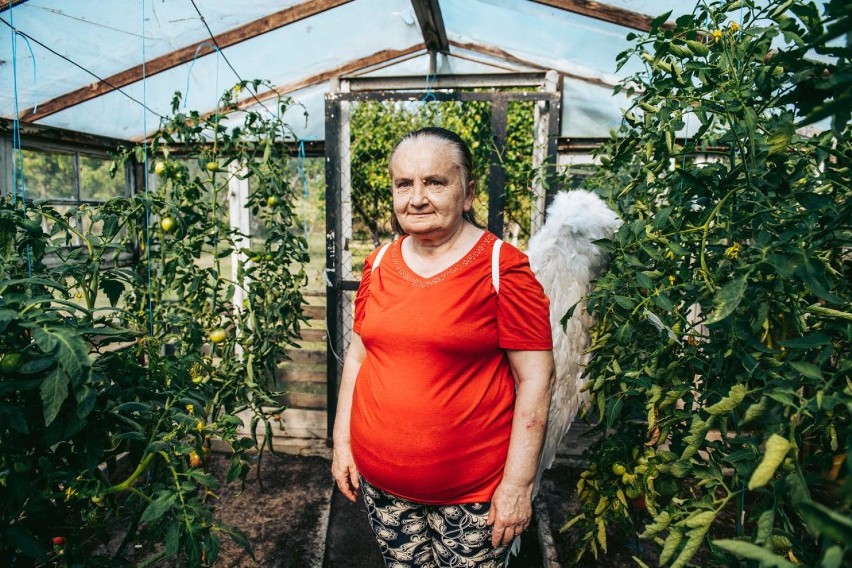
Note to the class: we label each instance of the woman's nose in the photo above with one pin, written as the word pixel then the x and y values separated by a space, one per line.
pixel 418 195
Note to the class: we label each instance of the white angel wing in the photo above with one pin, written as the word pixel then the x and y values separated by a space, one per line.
pixel 565 260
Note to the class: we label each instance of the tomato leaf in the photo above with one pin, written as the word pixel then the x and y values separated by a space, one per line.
pixel 727 299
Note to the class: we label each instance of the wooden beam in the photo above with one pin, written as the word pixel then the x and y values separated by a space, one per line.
pixel 604 12
pixel 6 4
pixel 379 57
pixel 183 55
pixel 60 136
pixel 349 67
pixel 431 25
pixel 502 54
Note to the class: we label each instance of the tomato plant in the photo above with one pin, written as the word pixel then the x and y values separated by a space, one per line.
pixel 116 375
pixel 722 331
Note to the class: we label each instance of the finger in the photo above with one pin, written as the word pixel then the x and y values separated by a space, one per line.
pixel 492 516
pixel 497 536
pixel 345 488
pixel 354 479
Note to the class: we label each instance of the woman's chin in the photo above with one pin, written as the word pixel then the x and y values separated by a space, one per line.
pixel 421 228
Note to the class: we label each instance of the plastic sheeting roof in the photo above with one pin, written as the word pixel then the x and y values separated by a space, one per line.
pixel 61 46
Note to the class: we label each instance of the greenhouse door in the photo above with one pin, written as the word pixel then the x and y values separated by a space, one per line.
pixel 364 117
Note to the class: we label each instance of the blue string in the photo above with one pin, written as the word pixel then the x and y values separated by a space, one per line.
pixel 17 146
pixel 300 168
pixel 430 95
pixel 741 17
pixel 191 65
pixel 733 415
pixel 145 170
pixel 35 76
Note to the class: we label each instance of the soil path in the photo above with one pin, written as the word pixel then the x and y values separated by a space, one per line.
pixel 284 517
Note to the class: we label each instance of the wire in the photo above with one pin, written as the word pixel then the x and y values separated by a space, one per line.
pixel 218 48
pixel 77 65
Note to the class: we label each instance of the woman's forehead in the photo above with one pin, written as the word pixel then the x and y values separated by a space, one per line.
pixel 424 152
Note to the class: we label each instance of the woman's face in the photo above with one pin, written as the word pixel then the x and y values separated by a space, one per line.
pixel 429 196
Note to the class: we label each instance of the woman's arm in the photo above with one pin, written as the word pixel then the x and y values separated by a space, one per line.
pixel 511 506
pixel 343 465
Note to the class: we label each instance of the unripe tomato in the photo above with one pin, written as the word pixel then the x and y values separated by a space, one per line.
pixel 218 335
pixel 212 166
pixel 272 201
pixel 167 224
pixel 618 469
pixel 10 363
pixel 667 487
pixel 632 492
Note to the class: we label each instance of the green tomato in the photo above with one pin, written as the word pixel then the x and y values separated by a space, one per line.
pixel 632 492
pixel 667 487
pixel 212 166
pixel 160 168
pixel 218 335
pixel 618 469
pixel 167 224
pixel 272 201
pixel 10 363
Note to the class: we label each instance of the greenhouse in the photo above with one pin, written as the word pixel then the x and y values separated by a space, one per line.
pixel 612 321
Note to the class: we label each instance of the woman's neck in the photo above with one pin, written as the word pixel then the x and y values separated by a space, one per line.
pixel 438 244
pixel 428 256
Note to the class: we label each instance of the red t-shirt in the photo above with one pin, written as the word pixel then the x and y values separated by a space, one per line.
pixel 434 399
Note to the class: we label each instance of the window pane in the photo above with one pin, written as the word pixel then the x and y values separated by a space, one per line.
pixel 49 175
pixel 96 182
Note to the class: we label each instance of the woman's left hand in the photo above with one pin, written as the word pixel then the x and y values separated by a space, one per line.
pixel 510 513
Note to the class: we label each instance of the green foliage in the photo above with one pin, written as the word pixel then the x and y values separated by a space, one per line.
pixel 723 329
pixel 112 385
pixel 377 127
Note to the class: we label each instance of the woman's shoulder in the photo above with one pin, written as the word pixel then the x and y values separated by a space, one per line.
pixel 510 254
pixel 381 249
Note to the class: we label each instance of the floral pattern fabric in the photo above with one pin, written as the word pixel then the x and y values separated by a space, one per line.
pixel 431 536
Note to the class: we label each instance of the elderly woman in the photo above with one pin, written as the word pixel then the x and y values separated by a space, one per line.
pixel 445 390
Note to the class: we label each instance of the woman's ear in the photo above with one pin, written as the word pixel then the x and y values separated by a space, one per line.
pixel 469 193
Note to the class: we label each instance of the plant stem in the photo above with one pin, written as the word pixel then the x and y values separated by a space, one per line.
pixel 140 469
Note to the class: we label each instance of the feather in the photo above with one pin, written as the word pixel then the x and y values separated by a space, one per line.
pixel 565 260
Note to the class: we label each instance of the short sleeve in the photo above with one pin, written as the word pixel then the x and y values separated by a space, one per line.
pixel 523 310
pixel 363 292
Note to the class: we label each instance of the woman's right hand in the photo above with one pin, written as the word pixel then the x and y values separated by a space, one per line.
pixel 344 471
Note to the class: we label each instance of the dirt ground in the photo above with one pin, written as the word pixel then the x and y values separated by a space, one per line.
pixel 284 516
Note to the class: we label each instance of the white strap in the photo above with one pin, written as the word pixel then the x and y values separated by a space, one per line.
pixel 379 256
pixel 495 265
